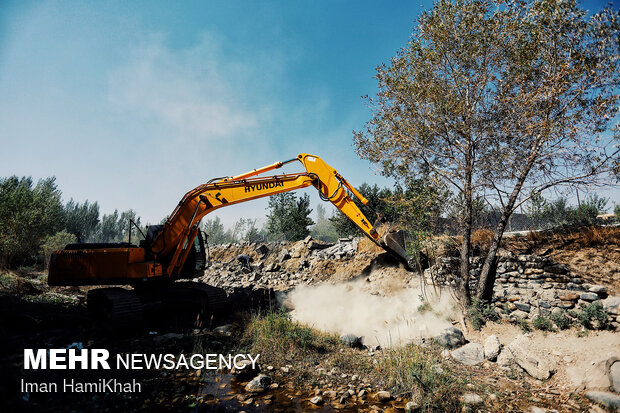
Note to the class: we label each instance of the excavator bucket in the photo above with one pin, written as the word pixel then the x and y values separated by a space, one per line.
pixel 394 243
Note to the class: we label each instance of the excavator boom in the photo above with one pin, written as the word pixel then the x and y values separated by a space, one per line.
pixel 165 252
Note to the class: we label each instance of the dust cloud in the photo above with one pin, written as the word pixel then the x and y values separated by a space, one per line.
pixel 384 313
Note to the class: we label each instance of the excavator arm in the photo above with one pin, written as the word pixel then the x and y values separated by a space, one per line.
pixel 173 242
pixel 165 251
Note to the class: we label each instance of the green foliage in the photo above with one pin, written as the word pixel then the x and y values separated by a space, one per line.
pixel 33 219
pixel 114 227
pixel 414 207
pixel 276 337
pixel 592 317
pixel 543 323
pixel 215 230
pixel 324 229
pixel 524 325
pixel 27 215
pixel 81 219
pixel 377 201
pixel 56 242
pixel 546 214
pixel 480 312
pixel 617 211
pixel 561 320
pixel 289 216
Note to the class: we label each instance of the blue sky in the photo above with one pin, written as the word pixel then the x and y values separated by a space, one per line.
pixel 132 104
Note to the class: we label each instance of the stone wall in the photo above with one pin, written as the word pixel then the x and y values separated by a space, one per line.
pixel 528 285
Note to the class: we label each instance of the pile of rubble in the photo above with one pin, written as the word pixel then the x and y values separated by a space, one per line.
pixel 283 265
pixel 531 285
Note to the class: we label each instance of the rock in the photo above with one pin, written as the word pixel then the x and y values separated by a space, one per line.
pixel 614 373
pixel 472 398
pixel 536 409
pixel 262 250
pixel 588 296
pixel 470 354
pixel 258 384
pixel 598 289
pixel 330 394
pixel 565 305
pixel 612 305
pixel 351 340
pixel 569 297
pixel 383 396
pixel 225 330
pixel 450 337
pixel 523 307
pixel 608 399
pixel 245 370
pixel 519 314
pixel 411 407
pixel 317 400
pixel 557 268
pixel 284 255
pixel 592 377
pixel 527 360
pixel 491 347
pixel 506 358
pixel 165 338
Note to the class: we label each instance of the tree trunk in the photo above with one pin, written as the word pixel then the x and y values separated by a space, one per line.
pixel 484 287
pixel 462 285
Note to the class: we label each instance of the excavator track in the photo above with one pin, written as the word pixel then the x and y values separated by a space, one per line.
pixel 116 308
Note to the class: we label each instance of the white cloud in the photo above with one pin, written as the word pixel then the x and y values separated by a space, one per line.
pixel 192 92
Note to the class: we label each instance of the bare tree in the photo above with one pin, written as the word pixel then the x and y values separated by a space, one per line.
pixel 499 99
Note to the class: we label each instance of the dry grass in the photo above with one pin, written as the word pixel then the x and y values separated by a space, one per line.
pixel 411 372
pixel 482 238
pixel 419 374
pixel 595 236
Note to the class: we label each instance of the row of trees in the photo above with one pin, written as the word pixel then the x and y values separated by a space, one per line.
pixel 34 221
pixel 423 209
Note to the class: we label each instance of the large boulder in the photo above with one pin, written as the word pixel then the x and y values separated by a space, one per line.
pixel 470 354
pixel 614 373
pixel 450 337
pixel 592 377
pixel 611 400
pixel 525 358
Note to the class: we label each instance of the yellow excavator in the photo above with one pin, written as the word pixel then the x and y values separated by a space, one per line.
pixel 175 250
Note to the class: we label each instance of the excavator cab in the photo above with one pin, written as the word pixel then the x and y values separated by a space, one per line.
pixel 196 259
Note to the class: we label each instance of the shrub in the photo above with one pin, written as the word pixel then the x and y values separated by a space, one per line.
pixel 592 317
pixel 524 325
pixel 480 312
pixel 561 320
pixel 543 323
pixel 55 242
